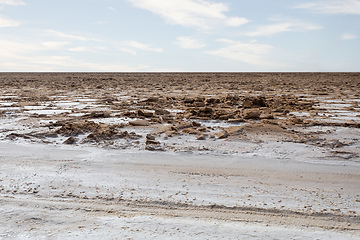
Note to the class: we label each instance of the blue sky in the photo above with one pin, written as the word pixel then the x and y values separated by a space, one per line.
pixel 180 35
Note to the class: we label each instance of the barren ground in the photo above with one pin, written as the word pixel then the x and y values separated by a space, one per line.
pixel 179 155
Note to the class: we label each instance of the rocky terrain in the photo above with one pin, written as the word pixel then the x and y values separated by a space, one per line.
pixel 148 110
pixel 272 135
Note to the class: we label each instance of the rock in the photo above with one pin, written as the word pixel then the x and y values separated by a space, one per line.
pixel 107 133
pixel 247 103
pixel 150 137
pixel 222 135
pixel 259 102
pixel 199 104
pixel 145 113
pixel 169 134
pixel 202 129
pixel 14 136
pixel 160 111
pixel 139 123
pixel 181 126
pixel 196 124
pixel 212 100
pixel 205 112
pixel 70 140
pixel 190 131
pixel 200 137
pixel 266 116
pixel 152 147
pixel 51 135
pixel 254 102
pixel 154 142
pixel 98 115
pixel 225 117
pixel 251 114
pixel 75 128
pixel 129 114
pixel 152 99
pixel 189 100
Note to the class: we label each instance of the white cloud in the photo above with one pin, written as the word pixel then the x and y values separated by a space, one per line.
pixel 70 36
pixel 67 62
pixel 12 2
pixel 190 13
pixel 63 63
pixel 79 49
pixel 251 53
pixel 269 30
pixel 54 45
pixel 235 21
pixel 333 6
pixel 25 56
pixel 348 36
pixel 13 49
pixel 88 49
pixel 127 50
pixel 142 46
pixel 189 42
pixel 5 22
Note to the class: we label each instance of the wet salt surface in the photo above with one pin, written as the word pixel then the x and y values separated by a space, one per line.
pixel 230 180
pixel 333 106
pixel 66 104
pixel 48 111
pixel 300 114
pixel 336 111
pixel 10 109
pixel 34 107
pixel 219 123
pixel 175 110
pixel 6 104
pixel 114 120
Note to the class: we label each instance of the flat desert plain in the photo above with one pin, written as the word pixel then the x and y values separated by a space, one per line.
pixel 180 156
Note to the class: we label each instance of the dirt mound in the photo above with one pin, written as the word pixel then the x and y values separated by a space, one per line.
pixel 75 128
pixel 106 133
pixel 98 132
pixel 262 131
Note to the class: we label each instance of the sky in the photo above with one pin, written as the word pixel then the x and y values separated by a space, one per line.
pixel 180 36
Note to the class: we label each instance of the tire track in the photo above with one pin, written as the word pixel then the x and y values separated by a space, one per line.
pixel 118 207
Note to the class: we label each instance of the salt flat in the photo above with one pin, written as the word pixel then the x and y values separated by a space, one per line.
pixel 64 192
pixel 234 156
